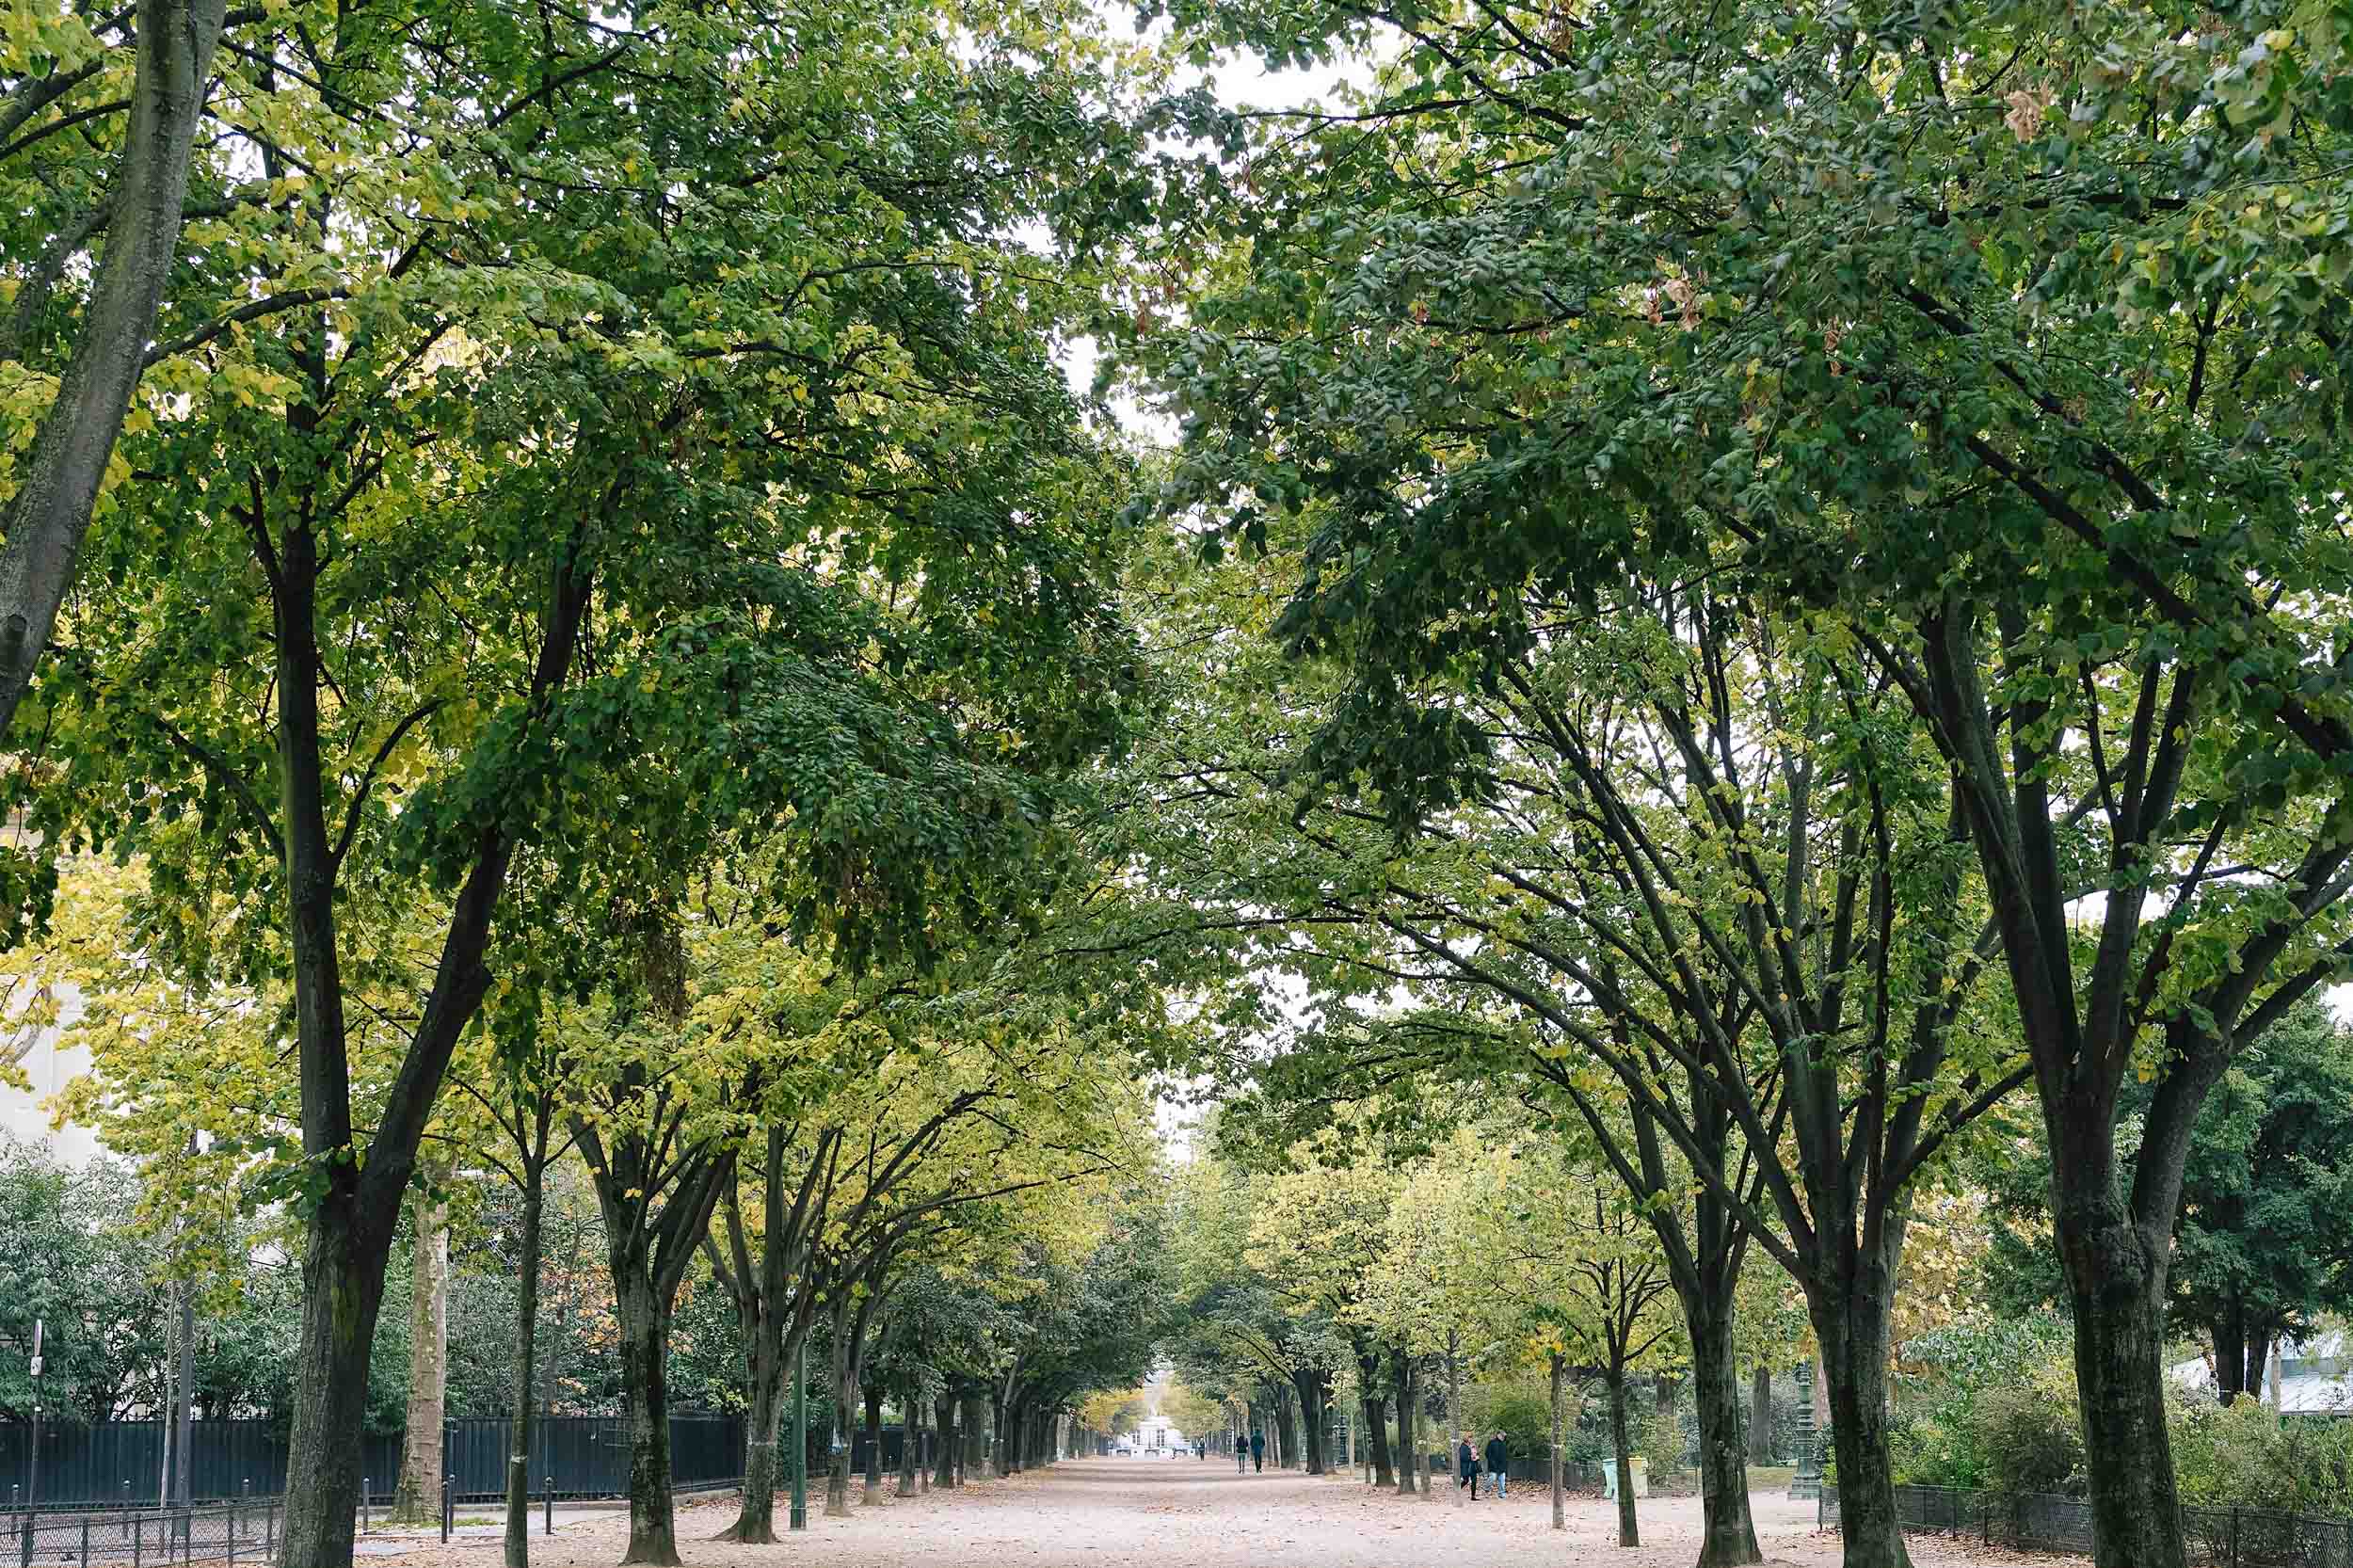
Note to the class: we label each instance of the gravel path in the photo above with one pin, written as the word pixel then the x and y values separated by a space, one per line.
pixel 1185 1513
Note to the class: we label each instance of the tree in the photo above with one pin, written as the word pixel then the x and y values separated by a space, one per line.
pixel 139 211
pixel 1913 377
pixel 1613 1289
pixel 500 546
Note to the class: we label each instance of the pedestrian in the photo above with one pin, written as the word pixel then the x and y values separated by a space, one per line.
pixel 1497 1457
pixel 1466 1465
pixel 1242 1453
pixel 1257 1450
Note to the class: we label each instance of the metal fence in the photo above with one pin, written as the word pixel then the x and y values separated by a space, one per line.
pixel 2042 1522
pixel 119 1464
pixel 228 1533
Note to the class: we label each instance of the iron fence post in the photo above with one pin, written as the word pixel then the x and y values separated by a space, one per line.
pixel 138 1538
pixel 2234 1535
pixel 27 1559
pixel 85 1557
pixel 366 1484
pixel 550 1503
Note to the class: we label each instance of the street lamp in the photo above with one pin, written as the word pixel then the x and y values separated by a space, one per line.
pixel 32 1367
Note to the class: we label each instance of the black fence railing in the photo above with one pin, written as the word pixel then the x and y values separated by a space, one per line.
pixel 117 1465
pixel 228 1533
pixel 2041 1522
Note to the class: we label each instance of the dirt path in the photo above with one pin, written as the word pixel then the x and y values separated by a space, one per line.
pixel 1185 1513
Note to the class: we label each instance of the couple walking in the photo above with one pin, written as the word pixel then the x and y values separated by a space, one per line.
pixel 1467 1462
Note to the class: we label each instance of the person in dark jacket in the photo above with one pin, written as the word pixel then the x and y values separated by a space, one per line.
pixel 1496 1461
pixel 1466 1465
pixel 1257 1450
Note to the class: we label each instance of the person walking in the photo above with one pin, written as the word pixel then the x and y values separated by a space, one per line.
pixel 1466 1465
pixel 1496 1459
pixel 1257 1450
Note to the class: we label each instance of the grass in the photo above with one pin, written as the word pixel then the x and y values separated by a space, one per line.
pixel 1764 1477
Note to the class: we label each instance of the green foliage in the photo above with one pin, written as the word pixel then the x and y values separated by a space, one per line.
pixel 2245 1456
pixel 1990 1404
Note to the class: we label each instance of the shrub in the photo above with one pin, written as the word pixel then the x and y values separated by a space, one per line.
pixel 2030 1437
pixel 2247 1456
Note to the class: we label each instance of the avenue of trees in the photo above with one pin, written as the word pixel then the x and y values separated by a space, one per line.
pixel 1731 620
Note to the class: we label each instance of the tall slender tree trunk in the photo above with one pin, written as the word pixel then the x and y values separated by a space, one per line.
pixel 944 1437
pixel 910 1441
pixel 645 1323
pixel 873 1444
pixel 968 1441
pixel 844 1390
pixel 1629 1529
pixel 1560 1512
pixel 1455 1411
pixel 1761 1414
pixel 1286 1426
pixel 417 1498
pixel 1376 1422
pixel 518 1542
pixel 1409 1457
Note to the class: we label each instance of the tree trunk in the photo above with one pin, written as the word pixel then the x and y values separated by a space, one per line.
pixel 910 1442
pixel 1728 1533
pixel 1454 1414
pixel 518 1544
pixel 342 1289
pixel 2119 1300
pixel 1311 1398
pixel 1761 1415
pixel 1853 1337
pixel 1410 1462
pixel 1559 1511
pixel 873 1444
pixel 944 1425
pixel 645 1323
pixel 1629 1531
pixel 1376 1422
pixel 844 1401
pixel 763 1427
pixel 968 1441
pixel 59 481
pixel 417 1499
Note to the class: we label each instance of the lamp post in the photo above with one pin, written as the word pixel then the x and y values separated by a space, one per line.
pixel 32 1465
pixel 800 1436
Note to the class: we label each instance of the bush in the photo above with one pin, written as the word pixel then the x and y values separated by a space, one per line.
pixel 1990 1406
pixel 2031 1438
pixel 2247 1456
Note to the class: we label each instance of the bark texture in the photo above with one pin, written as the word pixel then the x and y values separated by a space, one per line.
pixel 48 516
pixel 417 1498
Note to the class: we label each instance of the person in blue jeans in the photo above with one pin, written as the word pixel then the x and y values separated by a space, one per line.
pixel 1496 1459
